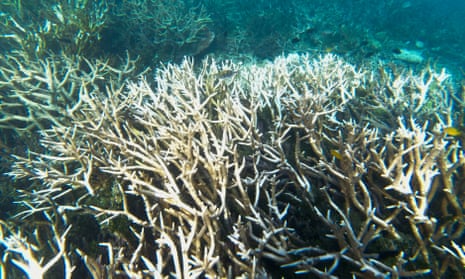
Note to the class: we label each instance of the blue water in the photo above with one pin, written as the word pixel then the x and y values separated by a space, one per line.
pixel 347 27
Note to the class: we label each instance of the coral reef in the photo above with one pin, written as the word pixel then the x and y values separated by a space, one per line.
pixel 159 30
pixel 53 51
pixel 155 30
pixel 303 165
pixel 39 92
pixel 39 27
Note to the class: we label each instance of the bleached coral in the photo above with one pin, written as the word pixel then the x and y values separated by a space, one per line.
pixel 39 92
pixel 222 171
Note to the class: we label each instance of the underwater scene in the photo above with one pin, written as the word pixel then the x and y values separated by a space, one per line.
pixel 232 139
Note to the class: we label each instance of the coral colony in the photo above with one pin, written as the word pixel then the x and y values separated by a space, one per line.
pixel 301 166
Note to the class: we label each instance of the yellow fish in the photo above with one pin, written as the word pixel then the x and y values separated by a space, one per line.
pixel 336 154
pixel 452 131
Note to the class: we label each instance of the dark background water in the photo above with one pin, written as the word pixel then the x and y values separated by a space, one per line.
pixel 347 27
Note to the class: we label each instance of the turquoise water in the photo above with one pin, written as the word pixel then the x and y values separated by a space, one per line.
pixel 63 64
pixel 355 29
pixel 259 29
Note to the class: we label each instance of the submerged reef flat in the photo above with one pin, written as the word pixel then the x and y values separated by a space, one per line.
pixel 227 140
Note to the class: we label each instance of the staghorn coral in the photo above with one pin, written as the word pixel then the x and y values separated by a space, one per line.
pixel 51 51
pixel 159 30
pixel 154 30
pixel 225 170
pixel 37 28
pixel 39 92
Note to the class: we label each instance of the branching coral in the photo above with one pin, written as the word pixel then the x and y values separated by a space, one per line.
pixel 160 30
pixel 39 27
pixel 40 92
pixel 223 171
pixel 155 30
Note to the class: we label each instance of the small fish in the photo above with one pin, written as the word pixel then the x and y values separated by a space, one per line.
pixel 452 131
pixel 227 73
pixel 295 40
pixel 336 154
